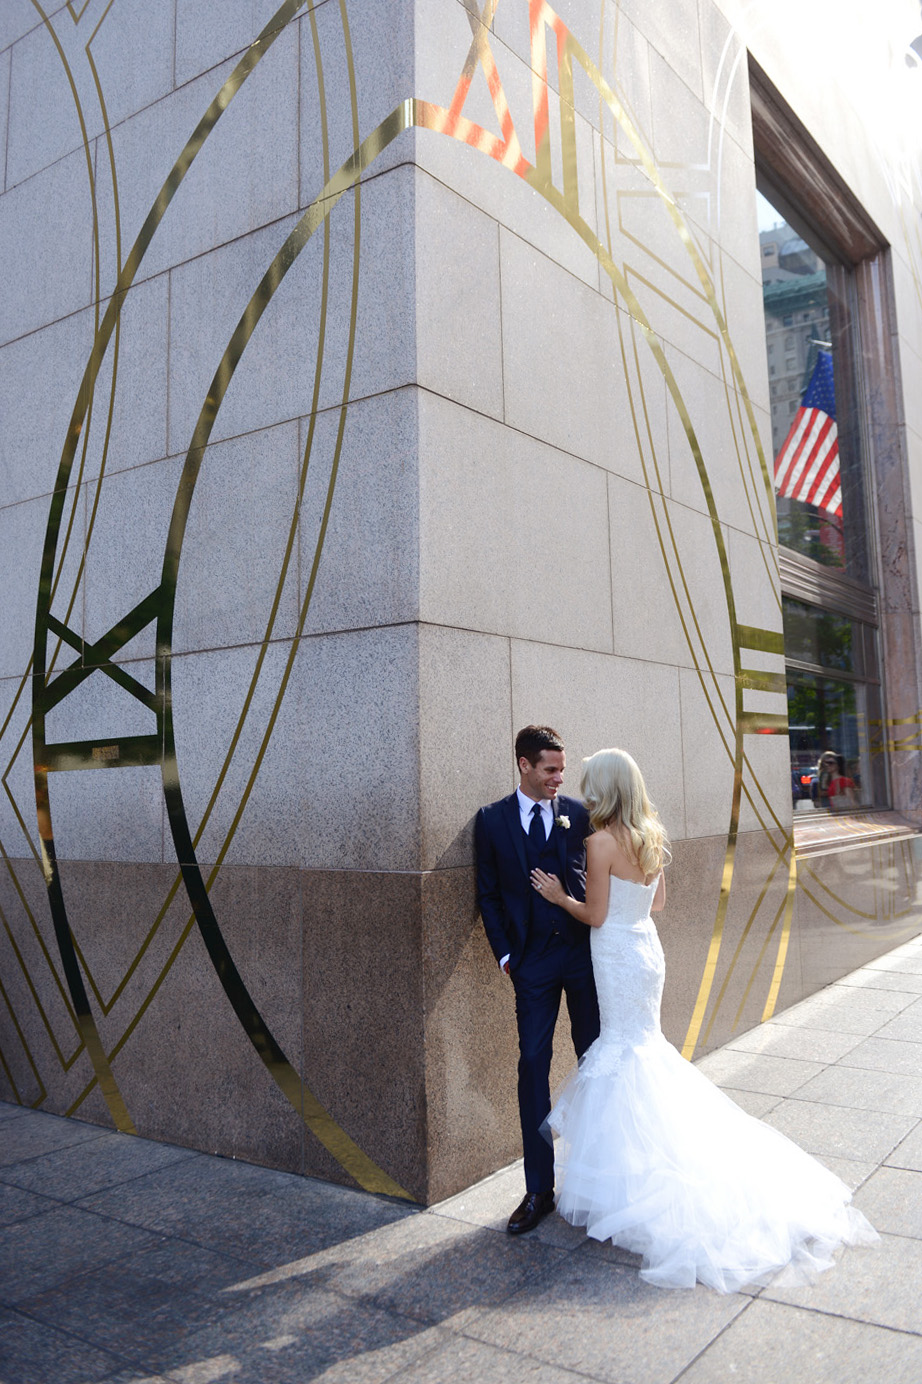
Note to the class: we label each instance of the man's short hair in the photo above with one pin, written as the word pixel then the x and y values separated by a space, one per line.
pixel 531 741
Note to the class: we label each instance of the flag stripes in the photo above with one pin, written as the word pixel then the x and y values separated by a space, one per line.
pixel 807 466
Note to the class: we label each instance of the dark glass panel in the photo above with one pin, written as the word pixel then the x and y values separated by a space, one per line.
pixel 819 636
pixel 833 764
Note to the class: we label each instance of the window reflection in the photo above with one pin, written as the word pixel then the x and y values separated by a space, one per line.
pixel 805 432
pixel 833 710
pixel 830 751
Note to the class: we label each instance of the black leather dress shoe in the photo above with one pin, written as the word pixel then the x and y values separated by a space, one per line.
pixel 533 1208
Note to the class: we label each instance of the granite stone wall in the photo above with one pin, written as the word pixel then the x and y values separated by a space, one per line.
pixel 376 379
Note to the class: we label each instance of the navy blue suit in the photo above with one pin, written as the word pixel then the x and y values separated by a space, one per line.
pixel 548 952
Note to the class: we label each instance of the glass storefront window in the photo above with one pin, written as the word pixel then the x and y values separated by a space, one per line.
pixel 833 711
pixel 825 290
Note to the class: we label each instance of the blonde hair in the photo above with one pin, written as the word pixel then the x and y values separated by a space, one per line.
pixel 613 790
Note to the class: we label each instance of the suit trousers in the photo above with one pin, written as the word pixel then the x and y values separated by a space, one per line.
pixel 541 977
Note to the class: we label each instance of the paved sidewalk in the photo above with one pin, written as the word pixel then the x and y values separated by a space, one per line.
pixel 133 1262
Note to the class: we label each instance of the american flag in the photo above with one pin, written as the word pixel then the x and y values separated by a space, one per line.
pixel 807 467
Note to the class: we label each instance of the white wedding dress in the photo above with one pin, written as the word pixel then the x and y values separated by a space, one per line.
pixel 654 1157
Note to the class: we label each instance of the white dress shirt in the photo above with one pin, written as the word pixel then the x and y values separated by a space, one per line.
pixel 525 810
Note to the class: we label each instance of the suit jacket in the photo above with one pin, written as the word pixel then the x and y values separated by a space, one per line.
pixel 504 890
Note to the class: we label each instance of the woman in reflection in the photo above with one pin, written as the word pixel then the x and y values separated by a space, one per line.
pixel 837 790
pixel 651 1155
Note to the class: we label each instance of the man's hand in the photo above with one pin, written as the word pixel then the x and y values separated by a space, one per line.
pixel 506 967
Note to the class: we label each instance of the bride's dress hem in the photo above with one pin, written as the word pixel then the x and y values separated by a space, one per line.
pixel 656 1159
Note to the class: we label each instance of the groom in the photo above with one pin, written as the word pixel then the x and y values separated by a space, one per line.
pixel 543 950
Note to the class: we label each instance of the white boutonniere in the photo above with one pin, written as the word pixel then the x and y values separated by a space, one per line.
pixel 562 821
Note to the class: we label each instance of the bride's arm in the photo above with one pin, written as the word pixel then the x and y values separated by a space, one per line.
pixel 659 898
pixel 599 854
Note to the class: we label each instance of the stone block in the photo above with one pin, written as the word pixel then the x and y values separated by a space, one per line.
pixel 364 1052
pixel 728 454
pixel 466 739
pixel 124 552
pixel 602 1320
pixel 40 132
pixel 762 1343
pixel 591 699
pixel 820 1129
pixel 649 628
pixel 685 926
pixel 496 191
pixel 244 587
pixel 890 1200
pixel 733 984
pixel 894 1094
pixel 16 765
pixel 458 323
pixel 92 47
pixel 885 1055
pixel 43 1251
pixel 908 1153
pixel 293 343
pixel 133 49
pixel 774 1076
pixel 756 593
pixel 204 40
pixel 44 365
pixel 128 922
pixel 680 117
pixel 335 777
pixel 19 17
pixel 359 560
pixel 809 1045
pixel 868 979
pixel 755 1103
pixel 514 534
pixel 707 765
pixel 187 1071
pixel 22 532
pixel 629 66
pixel 48 258
pixel 719 209
pixel 41 1045
pixel 227 192
pixel 357 66
pixel 852 906
pixel 5 64
pixel 725 74
pixel 108 814
pixel 672 30
pixel 562 370
pixel 733 225
pixel 132 382
pixel 99 709
pixel 876 1286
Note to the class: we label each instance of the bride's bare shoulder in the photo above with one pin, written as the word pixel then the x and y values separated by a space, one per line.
pixel 621 861
pixel 601 846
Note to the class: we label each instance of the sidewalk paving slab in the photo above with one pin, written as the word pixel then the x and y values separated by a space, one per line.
pixel 125 1261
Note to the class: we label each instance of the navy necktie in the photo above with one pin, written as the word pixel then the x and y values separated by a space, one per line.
pixel 536 833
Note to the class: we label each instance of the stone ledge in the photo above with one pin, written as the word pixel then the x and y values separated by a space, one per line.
pixel 837 833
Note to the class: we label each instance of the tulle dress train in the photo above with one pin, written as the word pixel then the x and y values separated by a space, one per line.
pixel 654 1157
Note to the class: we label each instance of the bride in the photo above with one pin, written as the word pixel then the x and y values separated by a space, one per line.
pixel 651 1155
